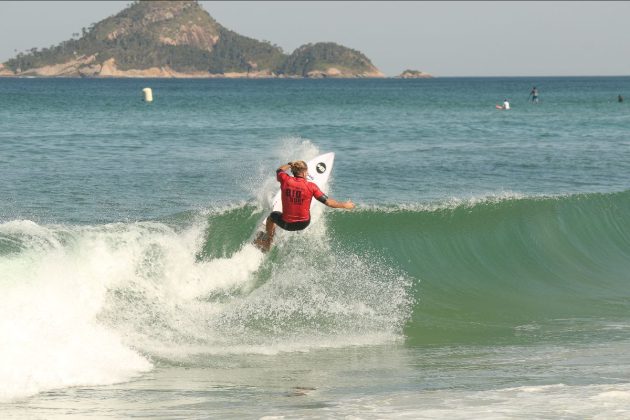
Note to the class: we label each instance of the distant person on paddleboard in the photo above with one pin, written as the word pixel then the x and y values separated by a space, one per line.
pixel 505 106
pixel 297 193
pixel 534 95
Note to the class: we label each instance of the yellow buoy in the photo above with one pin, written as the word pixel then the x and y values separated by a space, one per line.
pixel 148 94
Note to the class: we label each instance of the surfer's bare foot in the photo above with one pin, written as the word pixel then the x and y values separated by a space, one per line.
pixel 264 245
pixel 263 242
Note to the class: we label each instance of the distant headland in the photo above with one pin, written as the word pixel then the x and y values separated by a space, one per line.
pixel 180 39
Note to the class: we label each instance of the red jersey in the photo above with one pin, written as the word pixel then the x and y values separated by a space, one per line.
pixel 297 194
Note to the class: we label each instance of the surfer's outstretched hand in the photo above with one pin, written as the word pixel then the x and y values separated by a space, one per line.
pixel 349 205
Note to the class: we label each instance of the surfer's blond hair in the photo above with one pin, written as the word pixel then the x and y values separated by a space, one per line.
pixel 298 166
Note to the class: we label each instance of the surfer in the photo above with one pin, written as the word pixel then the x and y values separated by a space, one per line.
pixel 297 193
pixel 534 95
pixel 620 98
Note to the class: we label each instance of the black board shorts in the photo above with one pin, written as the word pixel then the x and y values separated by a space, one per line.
pixel 276 216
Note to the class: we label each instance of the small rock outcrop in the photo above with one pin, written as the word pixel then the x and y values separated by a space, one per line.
pixel 414 74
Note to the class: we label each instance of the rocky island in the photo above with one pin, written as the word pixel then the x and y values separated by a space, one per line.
pixel 180 39
pixel 414 74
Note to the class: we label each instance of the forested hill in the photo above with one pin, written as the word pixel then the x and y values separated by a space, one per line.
pixel 180 39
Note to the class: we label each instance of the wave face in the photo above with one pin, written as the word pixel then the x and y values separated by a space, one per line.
pixel 87 305
pixel 504 267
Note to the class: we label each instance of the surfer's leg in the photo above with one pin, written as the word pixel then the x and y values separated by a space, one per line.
pixel 270 227
pixel 264 240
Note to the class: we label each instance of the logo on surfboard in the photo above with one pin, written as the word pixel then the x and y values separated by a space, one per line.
pixel 321 167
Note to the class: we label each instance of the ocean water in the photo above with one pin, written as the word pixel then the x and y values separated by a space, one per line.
pixel 485 272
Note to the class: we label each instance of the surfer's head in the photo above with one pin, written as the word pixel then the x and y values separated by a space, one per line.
pixel 298 168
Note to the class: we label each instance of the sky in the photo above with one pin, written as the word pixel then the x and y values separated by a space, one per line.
pixel 452 38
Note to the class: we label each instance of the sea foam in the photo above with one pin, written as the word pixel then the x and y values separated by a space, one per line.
pixel 51 294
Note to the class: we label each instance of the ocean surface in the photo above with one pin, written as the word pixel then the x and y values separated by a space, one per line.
pixel 485 272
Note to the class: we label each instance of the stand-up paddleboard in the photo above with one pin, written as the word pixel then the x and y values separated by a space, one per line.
pixel 319 170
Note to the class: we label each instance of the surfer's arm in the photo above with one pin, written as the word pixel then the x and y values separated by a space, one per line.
pixel 281 172
pixel 283 168
pixel 330 202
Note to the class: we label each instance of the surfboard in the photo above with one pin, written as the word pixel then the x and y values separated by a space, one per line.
pixel 319 170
